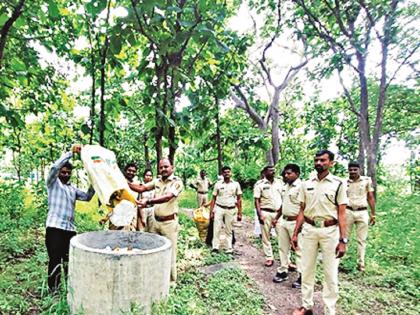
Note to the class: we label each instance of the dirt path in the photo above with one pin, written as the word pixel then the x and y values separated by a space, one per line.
pixel 281 298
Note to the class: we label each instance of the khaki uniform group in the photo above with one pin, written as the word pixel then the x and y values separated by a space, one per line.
pixel 280 204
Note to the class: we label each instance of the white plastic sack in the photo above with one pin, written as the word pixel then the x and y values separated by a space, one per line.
pixel 108 181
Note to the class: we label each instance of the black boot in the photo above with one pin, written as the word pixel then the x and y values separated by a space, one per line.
pixel 298 283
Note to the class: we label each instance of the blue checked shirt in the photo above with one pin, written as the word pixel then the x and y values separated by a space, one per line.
pixel 62 197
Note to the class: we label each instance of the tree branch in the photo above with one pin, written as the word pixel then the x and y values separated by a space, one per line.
pixel 348 96
pixel 7 26
pixel 139 22
pixel 242 102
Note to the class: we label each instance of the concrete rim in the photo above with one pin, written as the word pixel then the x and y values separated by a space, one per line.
pixel 75 242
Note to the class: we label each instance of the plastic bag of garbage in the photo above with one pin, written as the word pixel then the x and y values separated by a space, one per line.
pixel 109 183
pixel 201 217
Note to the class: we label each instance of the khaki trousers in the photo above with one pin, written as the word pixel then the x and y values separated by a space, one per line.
pixel 202 199
pixel 229 216
pixel 284 233
pixel 265 232
pixel 361 220
pixel 169 229
pixel 326 239
pixel 150 218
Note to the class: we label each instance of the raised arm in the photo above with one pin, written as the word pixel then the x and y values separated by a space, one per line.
pixel 85 196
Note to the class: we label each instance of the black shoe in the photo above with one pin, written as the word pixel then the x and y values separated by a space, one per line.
pixel 298 283
pixel 280 277
pixel 215 251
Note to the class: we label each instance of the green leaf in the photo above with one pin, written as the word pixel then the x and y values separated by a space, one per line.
pixel 186 23
pixel 53 9
pixel 174 9
pixel 115 45
pixel 18 65
pixel 85 129
pixel 3 19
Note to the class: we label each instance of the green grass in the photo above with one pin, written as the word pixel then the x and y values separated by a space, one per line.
pixel 228 291
pixel 391 282
pixel 23 263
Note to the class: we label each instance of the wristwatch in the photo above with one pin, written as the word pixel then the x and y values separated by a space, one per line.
pixel 343 240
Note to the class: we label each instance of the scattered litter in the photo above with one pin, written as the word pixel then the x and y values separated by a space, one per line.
pixel 128 249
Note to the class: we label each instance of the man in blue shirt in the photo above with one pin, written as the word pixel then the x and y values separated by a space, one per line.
pixel 62 198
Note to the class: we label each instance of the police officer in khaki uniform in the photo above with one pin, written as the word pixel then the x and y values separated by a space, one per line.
pixel 288 213
pixel 323 217
pixel 226 198
pixel 201 185
pixel 360 194
pixel 167 190
pixel 267 199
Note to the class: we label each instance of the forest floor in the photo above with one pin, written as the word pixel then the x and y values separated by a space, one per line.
pixel 221 284
pixel 281 298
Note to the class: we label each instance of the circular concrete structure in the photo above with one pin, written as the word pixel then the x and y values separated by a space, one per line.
pixel 110 271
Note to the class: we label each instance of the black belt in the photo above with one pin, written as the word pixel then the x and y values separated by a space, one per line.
pixel 356 209
pixel 325 223
pixel 202 192
pixel 290 217
pixel 225 207
pixel 268 210
pixel 165 217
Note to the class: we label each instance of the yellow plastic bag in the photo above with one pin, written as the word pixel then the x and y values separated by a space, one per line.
pixel 201 217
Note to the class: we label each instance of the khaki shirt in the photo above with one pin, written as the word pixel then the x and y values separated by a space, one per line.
pixel 269 193
pixel 202 185
pixel 290 197
pixel 321 197
pixel 172 185
pixel 357 191
pixel 226 193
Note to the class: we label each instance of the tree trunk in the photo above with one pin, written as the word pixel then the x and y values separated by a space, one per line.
pixel 363 121
pixel 146 152
pixel 102 101
pixel 218 138
pixel 275 137
pixel 93 96
pixel 361 156
pixel 103 79
pixel 158 138
pixel 172 135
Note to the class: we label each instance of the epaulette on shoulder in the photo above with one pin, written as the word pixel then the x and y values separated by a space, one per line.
pixel 338 179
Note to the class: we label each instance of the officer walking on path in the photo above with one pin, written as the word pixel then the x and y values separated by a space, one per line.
pixel 322 214
pixel 288 214
pixel 267 198
pixel 167 190
pixel 62 196
pixel 360 194
pixel 226 198
pixel 201 184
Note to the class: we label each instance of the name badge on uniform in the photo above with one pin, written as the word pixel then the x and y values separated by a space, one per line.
pixel 265 188
pixel 310 188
